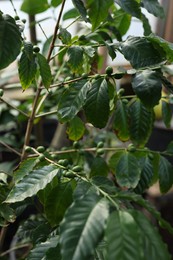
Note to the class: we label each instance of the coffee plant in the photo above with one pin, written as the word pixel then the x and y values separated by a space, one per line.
pixel 83 190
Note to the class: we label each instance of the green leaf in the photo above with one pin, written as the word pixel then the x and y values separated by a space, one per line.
pixel 153 7
pixel 97 103
pixel 7 213
pixel 45 71
pixel 146 25
pixel 141 53
pixel 146 176
pixel 128 171
pixel 165 45
pixel 27 66
pixel 58 200
pixel 126 195
pixel 34 7
pixel 165 174
pixel 24 168
pixel 54 253
pixel 55 3
pixel 113 161
pixel 167 84
pixel 121 121
pixel 141 123
pixel 76 129
pixel 32 183
pixel 10 40
pixel 28 227
pixel 73 100
pixel 40 250
pixel 123 238
pixel 147 85
pixel 130 6
pixel 98 11
pixel 169 148
pixel 79 240
pixel 81 9
pixel 75 59
pixel 99 167
pixel 122 21
pixel 70 14
pixel 64 36
pixel 151 238
pixel 166 113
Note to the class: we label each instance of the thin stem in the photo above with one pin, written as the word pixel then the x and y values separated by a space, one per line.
pixel 46 114
pixel 14 7
pixel 10 105
pixel 52 45
pixel 35 103
pixel 14 248
pixel 10 148
pixel 75 20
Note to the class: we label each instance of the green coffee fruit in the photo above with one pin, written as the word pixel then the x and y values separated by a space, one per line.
pixel 36 49
pixel 41 149
pixel 1 92
pixel 100 144
pixel 28 149
pixel 100 151
pixel 109 70
pixel 41 157
pixel 77 168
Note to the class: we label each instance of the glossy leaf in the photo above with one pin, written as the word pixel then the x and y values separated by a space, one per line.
pixel 73 100
pixel 34 7
pixel 113 161
pixel 123 238
pixel 32 183
pixel 58 200
pixel 40 250
pixel 146 25
pixel 165 174
pixel 81 9
pixel 169 148
pixel 166 113
pixel 7 213
pixel 153 7
pixel 128 171
pixel 99 167
pixel 79 239
pixel 165 45
pixel 133 197
pixel 121 121
pixel 151 238
pixel 55 3
pixel 24 168
pixel 64 36
pixel 75 59
pixel 98 11
pixel 97 103
pixel 10 40
pixel 122 21
pixel 27 66
pixel 76 129
pixel 70 14
pixel 148 86
pixel 141 123
pixel 141 53
pixel 146 176
pixel 130 6
pixel 45 71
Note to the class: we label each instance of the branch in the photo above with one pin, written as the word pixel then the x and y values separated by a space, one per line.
pixel 36 100
pixel 10 105
pixel 10 148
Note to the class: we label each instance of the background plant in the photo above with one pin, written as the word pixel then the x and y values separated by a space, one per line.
pixel 87 191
